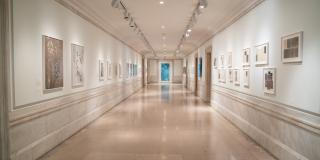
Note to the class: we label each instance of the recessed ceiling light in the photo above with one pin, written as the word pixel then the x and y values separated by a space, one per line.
pixel 189 30
pixel 161 2
pixel 201 6
pixel 163 27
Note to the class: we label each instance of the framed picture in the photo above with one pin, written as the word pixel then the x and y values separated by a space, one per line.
pixel 119 70
pixel 215 63
pixel 246 78
pixel 262 54
pixel 200 68
pixel 269 82
pixel 102 70
pixel 128 70
pixel 292 48
pixel 229 60
pixel 52 63
pixel 236 76
pixel 221 59
pixel 222 75
pixel 230 76
pixel 109 70
pixel 246 57
pixel 77 65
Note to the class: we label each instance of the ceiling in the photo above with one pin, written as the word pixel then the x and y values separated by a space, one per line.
pixel 163 25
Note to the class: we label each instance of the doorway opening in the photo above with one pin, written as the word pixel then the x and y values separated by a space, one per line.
pixel 165 72
pixel 208 73
pixel 196 76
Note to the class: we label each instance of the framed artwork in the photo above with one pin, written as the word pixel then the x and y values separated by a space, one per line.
pixel 52 63
pixel 236 76
pixel 215 63
pixel 119 70
pixel 246 78
pixel 269 83
pixel 128 70
pixel 77 62
pixel 109 70
pixel 246 57
pixel 200 68
pixel 102 70
pixel 262 54
pixel 221 59
pixel 292 48
pixel 222 75
pixel 230 76
pixel 229 60
pixel 131 70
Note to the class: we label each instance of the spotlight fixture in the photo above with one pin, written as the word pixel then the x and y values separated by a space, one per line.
pixel 115 3
pixel 193 19
pixel 203 4
pixel 127 16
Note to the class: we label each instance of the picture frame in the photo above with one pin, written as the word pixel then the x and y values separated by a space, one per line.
pixel 262 54
pixel 102 70
pixel 222 75
pixel 269 81
pixel 52 62
pixel 221 59
pixel 109 70
pixel 77 66
pixel 236 76
pixel 230 75
pixel 292 48
pixel 246 78
pixel 119 70
pixel 246 57
pixel 215 62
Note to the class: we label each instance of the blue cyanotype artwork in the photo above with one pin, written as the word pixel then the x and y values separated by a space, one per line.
pixel 200 68
pixel 165 72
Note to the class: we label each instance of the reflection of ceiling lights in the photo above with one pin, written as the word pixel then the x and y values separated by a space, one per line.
pixel 193 19
pixel 127 16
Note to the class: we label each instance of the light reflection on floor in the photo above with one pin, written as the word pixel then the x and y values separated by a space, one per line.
pixel 161 122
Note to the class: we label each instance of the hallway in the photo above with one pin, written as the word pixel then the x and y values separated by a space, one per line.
pixel 160 122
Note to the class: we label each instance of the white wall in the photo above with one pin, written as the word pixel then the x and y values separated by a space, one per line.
pixel 34 18
pixel 297 85
pixel 286 124
pixel 41 121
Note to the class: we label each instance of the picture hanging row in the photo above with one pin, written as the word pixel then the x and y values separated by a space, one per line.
pixel 291 52
pixel 53 66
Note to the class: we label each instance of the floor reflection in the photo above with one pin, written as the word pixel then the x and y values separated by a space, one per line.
pixel 160 122
pixel 165 92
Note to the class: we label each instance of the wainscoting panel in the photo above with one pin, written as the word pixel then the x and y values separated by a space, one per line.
pixel 286 132
pixel 38 128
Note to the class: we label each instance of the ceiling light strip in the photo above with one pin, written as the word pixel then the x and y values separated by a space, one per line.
pixel 127 16
pixel 192 21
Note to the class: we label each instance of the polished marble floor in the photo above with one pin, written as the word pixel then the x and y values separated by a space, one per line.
pixel 160 122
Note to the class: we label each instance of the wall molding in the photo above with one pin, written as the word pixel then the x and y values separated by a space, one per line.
pixel 285 152
pixel 42 108
pixel 306 120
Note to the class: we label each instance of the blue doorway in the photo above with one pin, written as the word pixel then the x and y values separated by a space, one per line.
pixel 165 72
